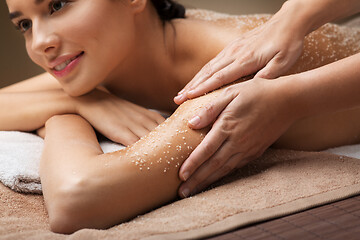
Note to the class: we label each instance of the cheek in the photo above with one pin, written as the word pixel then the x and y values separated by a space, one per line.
pixel 107 36
pixel 90 22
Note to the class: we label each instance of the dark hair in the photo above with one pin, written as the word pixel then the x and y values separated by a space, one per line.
pixel 169 9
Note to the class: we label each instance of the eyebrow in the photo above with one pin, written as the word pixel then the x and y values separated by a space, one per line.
pixel 18 13
pixel 15 15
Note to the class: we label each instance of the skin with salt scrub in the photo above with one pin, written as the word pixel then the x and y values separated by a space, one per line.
pixel 107 62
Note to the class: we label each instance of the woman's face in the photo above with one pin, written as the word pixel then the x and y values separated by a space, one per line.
pixel 80 42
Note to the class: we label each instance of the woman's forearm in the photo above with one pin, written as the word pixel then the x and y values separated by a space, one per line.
pixel 28 111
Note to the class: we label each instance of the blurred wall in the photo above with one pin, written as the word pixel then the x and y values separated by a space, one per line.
pixel 15 65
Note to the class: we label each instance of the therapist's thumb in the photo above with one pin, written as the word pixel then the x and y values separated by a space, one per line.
pixel 209 113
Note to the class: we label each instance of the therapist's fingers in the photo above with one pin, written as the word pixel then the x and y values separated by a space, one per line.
pixel 208 70
pixel 215 165
pixel 214 139
pixel 203 75
pixel 274 68
pixel 216 64
pixel 235 162
pixel 212 110
pixel 231 73
pixel 211 143
pixel 281 62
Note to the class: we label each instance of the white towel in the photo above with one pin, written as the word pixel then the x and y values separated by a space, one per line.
pixel 350 151
pixel 20 155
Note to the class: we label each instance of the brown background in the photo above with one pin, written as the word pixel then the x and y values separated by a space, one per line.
pixel 15 65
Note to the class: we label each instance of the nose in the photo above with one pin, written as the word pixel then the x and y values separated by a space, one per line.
pixel 44 38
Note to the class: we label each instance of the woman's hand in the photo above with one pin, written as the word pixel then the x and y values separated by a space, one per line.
pixel 119 120
pixel 248 117
pixel 271 49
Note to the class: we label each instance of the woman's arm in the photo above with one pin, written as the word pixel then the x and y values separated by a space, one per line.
pixel 40 82
pixel 25 106
pixel 84 188
pixel 28 111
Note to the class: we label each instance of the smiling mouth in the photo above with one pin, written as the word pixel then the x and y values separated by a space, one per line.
pixel 63 65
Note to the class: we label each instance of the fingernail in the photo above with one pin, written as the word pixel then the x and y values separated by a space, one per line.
pixel 177 98
pixel 186 176
pixel 185 193
pixel 195 121
pixel 181 92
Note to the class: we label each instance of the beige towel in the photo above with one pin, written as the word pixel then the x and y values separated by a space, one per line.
pixel 279 183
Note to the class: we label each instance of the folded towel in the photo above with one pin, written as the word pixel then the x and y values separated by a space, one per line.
pixel 350 151
pixel 20 155
pixel 19 161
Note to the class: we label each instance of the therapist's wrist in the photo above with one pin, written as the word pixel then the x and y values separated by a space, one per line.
pixel 309 15
pixel 298 17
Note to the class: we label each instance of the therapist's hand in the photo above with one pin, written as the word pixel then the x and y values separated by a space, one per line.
pixel 271 49
pixel 248 117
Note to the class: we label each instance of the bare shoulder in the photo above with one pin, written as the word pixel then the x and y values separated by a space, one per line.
pixel 327 44
pixel 240 23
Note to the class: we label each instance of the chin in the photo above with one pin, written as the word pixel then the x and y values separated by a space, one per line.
pixel 76 92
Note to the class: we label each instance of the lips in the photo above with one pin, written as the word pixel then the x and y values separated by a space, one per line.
pixel 65 64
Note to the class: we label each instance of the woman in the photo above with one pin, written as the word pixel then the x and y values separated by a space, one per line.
pixel 102 50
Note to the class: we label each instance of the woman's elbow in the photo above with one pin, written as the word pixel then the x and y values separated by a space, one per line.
pixel 67 208
pixel 62 223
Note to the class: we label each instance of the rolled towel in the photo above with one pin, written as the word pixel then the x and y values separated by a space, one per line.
pixel 20 155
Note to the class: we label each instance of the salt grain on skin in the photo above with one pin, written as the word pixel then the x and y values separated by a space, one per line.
pixel 331 38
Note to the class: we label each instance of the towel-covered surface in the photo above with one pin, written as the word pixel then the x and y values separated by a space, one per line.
pixel 20 155
pixel 279 183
